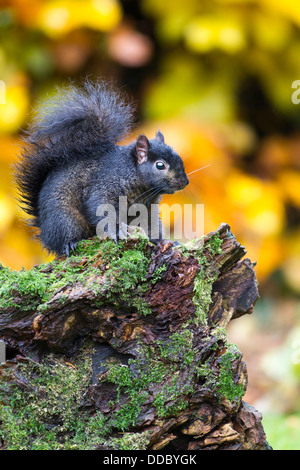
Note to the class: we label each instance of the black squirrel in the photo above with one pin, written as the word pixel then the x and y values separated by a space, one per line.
pixel 71 164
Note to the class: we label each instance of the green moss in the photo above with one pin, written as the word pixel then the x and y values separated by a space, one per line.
pixel 220 379
pixel 172 398
pixel 31 284
pixel 226 385
pixel 124 271
pixel 126 278
pixel 204 251
pixel 157 274
pixel 134 380
pixel 179 347
pixel 220 334
pixel 205 278
pixel 131 441
pixel 46 412
pixel 202 295
pixel 161 370
pixel 214 245
pixel 90 432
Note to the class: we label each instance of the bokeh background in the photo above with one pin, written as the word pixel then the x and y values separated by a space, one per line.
pixel 216 77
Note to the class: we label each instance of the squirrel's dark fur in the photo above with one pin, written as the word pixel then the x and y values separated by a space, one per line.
pixel 72 163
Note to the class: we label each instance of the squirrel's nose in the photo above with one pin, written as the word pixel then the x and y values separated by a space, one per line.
pixel 185 181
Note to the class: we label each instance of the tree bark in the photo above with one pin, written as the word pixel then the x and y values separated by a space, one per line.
pixel 133 335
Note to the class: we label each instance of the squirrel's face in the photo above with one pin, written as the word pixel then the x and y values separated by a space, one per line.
pixel 159 165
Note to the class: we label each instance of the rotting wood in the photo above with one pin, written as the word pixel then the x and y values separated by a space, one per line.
pixel 160 371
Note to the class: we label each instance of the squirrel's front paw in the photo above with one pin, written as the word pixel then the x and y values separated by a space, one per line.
pixel 70 246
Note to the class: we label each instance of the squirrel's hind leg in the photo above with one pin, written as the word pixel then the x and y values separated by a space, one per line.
pixel 62 227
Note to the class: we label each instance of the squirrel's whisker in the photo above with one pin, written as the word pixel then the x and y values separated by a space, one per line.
pixel 145 192
pixel 202 168
pixel 153 194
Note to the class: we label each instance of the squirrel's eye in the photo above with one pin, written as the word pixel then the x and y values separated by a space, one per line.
pixel 160 165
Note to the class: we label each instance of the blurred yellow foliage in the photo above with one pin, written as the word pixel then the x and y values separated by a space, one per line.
pixel 58 17
pixel 259 204
pixel 291 262
pixel 205 33
pixel 13 110
pixel 288 8
pixel 7 211
pixel 289 182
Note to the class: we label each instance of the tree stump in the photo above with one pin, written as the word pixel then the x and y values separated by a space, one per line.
pixel 124 346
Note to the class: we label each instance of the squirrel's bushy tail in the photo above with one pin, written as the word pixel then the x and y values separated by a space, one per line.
pixel 66 128
pixel 92 112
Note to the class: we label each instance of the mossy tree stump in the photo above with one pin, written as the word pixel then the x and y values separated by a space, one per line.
pixel 124 346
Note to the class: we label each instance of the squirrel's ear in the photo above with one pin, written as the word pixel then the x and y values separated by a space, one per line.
pixel 142 148
pixel 159 136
